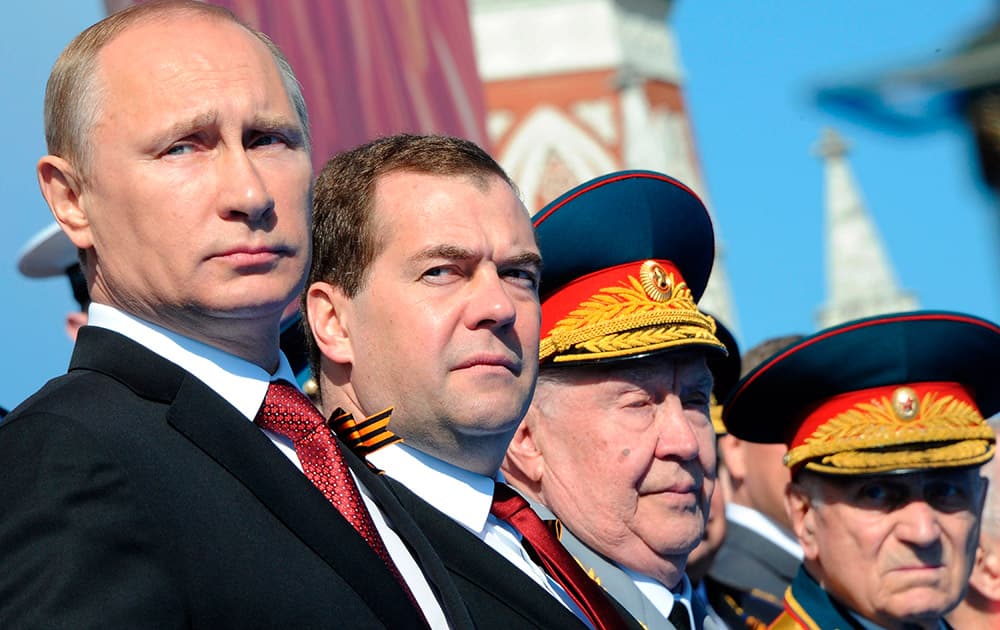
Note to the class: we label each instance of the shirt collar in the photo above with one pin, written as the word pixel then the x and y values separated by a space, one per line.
pixel 756 521
pixel 237 380
pixel 463 495
pixel 661 596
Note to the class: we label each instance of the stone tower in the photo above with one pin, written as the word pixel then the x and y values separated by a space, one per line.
pixel 861 281
pixel 578 88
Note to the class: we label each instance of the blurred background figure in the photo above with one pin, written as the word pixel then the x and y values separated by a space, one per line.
pixel 725 374
pixel 981 606
pixel 760 555
pixel 49 253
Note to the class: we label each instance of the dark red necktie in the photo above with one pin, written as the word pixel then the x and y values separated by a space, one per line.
pixel 511 507
pixel 286 411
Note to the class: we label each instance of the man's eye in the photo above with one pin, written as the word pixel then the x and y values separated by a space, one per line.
pixel 880 495
pixel 697 400
pixel 439 274
pixel 181 148
pixel 638 403
pixel 267 139
pixel 523 277
pixel 947 496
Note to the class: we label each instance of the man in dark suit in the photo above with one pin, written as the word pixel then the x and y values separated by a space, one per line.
pixel 423 298
pixel 137 491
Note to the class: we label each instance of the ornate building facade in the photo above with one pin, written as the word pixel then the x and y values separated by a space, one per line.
pixel 578 88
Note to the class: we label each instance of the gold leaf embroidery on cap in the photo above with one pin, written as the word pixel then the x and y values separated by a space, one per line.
pixel 619 320
pixel 877 425
pixel 659 285
pixel 905 404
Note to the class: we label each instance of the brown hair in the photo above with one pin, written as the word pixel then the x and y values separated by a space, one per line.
pixel 765 350
pixel 73 93
pixel 345 239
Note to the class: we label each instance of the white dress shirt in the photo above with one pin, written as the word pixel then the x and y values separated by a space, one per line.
pixel 661 596
pixel 466 497
pixel 244 386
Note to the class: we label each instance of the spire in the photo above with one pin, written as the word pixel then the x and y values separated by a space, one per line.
pixel 860 279
pixel 566 105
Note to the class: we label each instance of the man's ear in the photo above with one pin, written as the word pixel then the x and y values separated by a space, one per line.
pixel 327 310
pixel 75 320
pixel 524 460
pixel 985 576
pixel 61 186
pixel 802 514
pixel 731 451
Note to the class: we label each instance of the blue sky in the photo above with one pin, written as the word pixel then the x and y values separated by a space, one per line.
pixel 750 69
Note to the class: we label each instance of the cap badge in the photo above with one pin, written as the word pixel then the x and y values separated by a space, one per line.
pixel 905 404
pixel 659 285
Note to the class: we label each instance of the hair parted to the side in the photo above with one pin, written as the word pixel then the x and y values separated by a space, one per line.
pixel 345 234
pixel 73 92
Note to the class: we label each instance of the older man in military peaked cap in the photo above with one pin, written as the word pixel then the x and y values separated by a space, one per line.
pixel 617 444
pixel 883 419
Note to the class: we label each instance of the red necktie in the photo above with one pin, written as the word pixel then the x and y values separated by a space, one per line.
pixel 558 563
pixel 286 411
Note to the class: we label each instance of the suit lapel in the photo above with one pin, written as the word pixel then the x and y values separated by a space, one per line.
pixel 421 548
pixel 218 429
pixel 468 557
pixel 764 550
pixel 632 605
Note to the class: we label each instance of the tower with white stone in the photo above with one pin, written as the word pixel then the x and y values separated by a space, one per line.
pixel 861 281
pixel 579 88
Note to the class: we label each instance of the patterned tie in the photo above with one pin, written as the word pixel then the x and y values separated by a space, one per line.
pixel 286 411
pixel 509 506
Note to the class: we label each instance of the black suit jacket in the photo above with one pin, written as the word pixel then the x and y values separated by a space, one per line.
pixel 498 595
pixel 134 496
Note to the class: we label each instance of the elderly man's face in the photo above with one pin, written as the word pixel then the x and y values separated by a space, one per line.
pixel 894 548
pixel 198 199
pixel 627 458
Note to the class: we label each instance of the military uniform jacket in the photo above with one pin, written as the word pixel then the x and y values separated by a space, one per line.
pixel 134 496
pixel 808 606
pixel 620 586
pixel 749 577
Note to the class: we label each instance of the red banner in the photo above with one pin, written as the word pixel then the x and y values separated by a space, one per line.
pixel 375 67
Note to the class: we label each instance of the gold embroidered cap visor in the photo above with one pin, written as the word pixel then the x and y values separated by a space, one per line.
pixel 627 256
pixel 892 393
